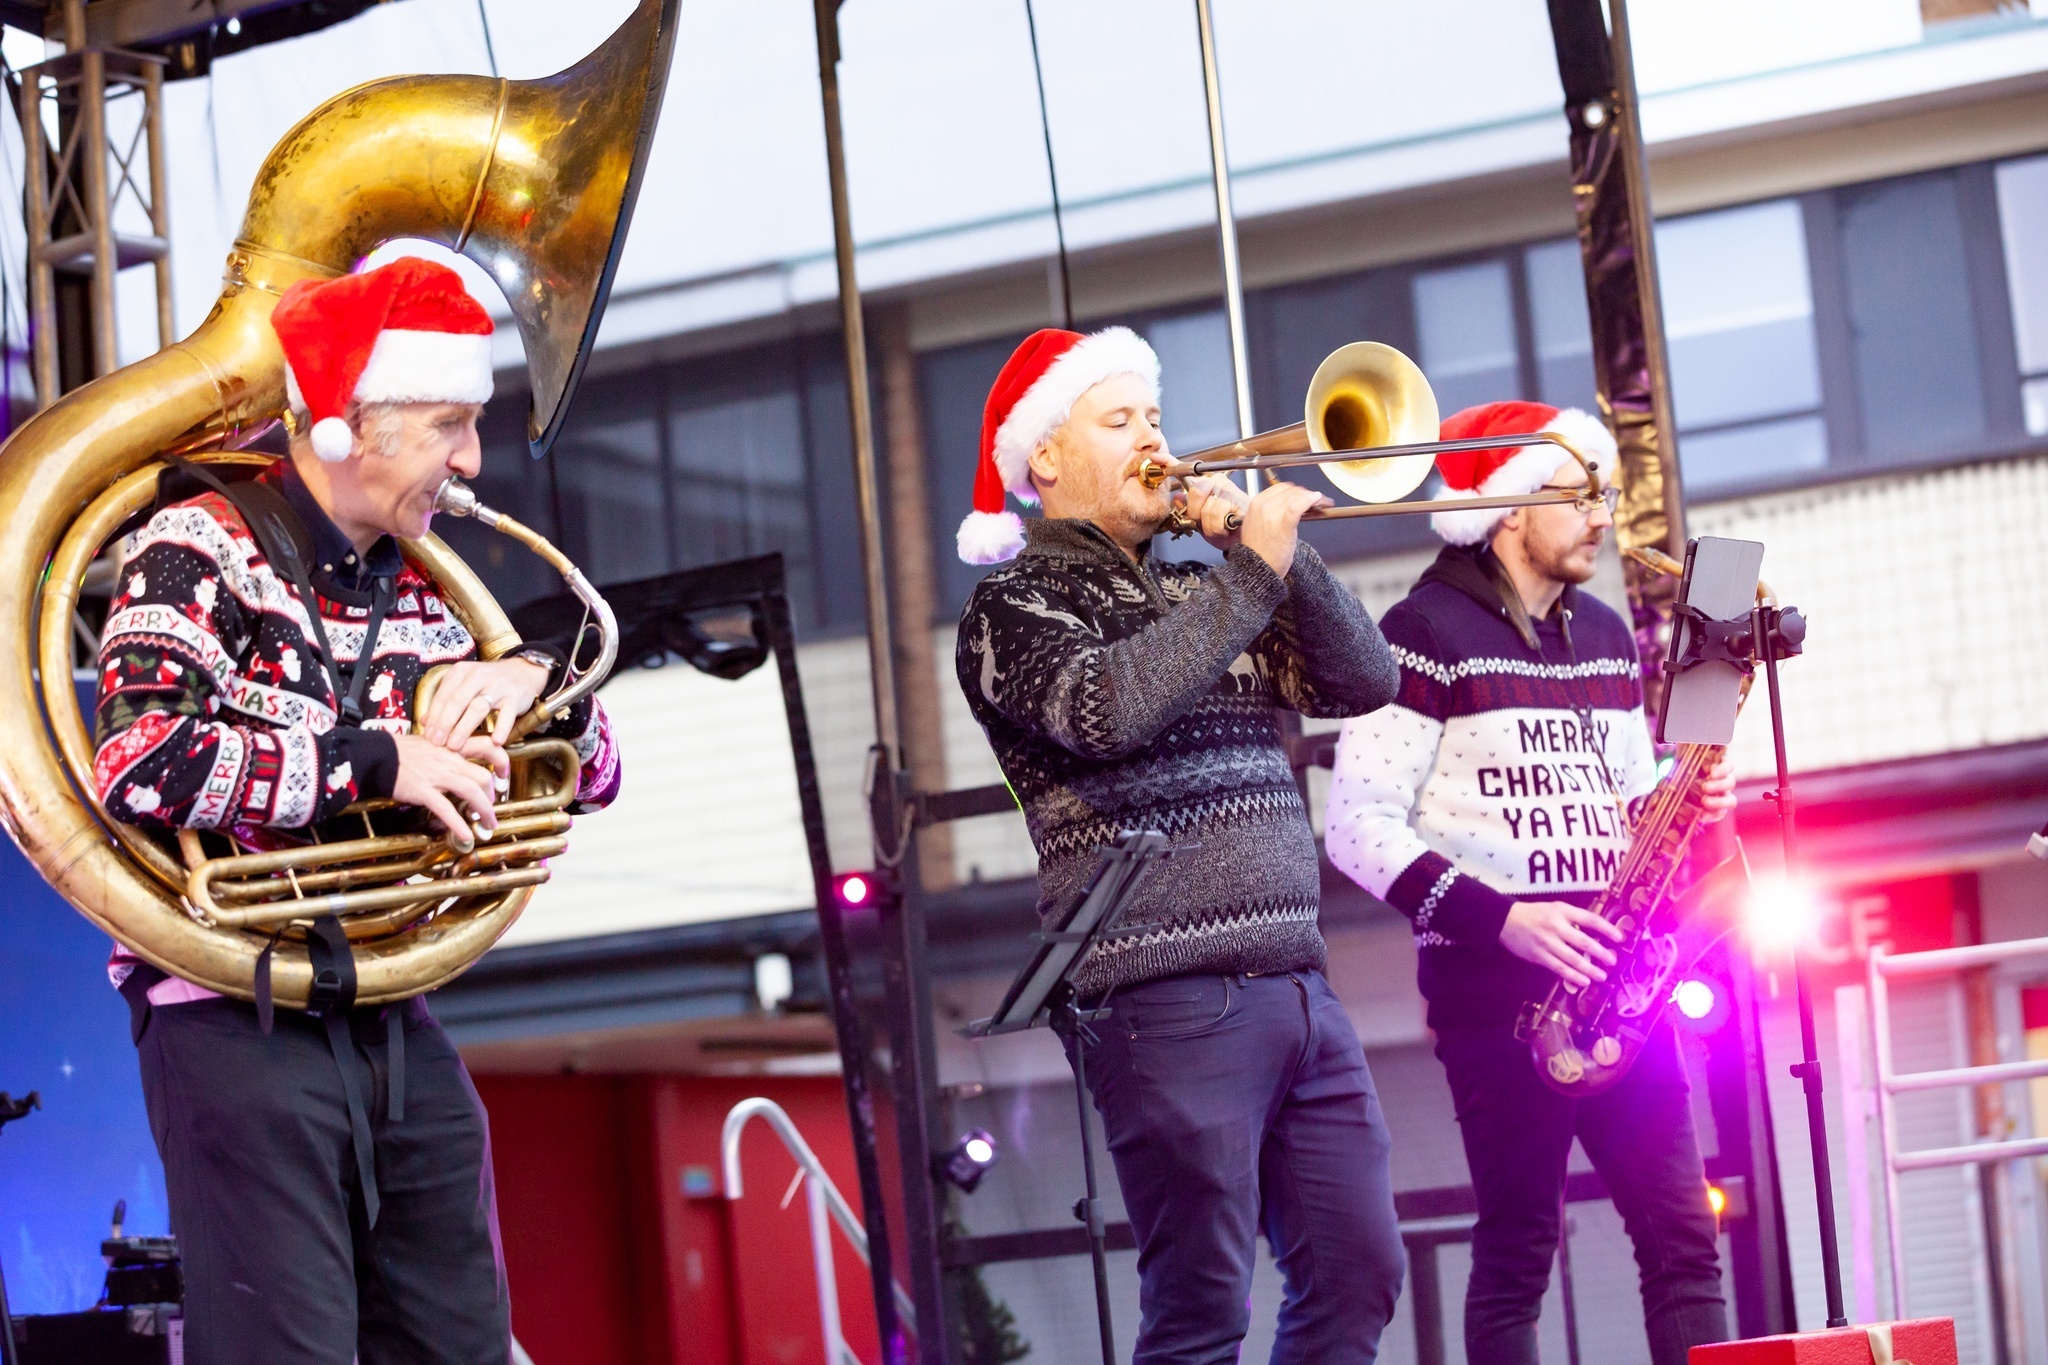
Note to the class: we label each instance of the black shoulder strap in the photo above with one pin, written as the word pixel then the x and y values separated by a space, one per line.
pixel 285 542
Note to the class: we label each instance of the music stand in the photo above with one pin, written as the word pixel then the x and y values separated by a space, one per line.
pixel 1043 994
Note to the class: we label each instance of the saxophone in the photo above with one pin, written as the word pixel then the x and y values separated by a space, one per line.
pixel 1584 1041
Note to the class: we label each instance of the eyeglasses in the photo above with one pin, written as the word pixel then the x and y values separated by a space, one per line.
pixel 1587 504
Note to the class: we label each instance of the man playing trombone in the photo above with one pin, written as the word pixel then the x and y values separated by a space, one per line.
pixel 1121 692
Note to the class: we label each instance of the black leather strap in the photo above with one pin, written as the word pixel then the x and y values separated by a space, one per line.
pixel 343 1047
pixel 332 996
pixel 394 1061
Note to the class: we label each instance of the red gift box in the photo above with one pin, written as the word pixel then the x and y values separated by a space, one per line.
pixel 1922 1341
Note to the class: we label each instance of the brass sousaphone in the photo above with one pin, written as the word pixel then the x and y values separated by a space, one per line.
pixel 535 181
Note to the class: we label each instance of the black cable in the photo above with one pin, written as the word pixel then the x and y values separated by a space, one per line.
pixel 489 51
pixel 1059 226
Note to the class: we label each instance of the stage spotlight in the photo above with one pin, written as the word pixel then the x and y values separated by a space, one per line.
pixel 969 1160
pixel 1717 1200
pixel 1702 1004
pixel 861 890
pixel 1780 914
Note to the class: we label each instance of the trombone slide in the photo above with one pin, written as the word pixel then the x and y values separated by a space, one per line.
pixel 1270 450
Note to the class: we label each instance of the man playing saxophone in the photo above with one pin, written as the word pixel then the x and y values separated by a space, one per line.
pixel 1120 692
pixel 1490 804
pixel 329 1178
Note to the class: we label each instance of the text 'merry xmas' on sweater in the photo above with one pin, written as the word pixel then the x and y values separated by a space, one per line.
pixel 1139 695
pixel 1479 785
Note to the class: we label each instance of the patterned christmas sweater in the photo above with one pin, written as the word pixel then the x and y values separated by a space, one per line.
pixel 1139 695
pixel 215 711
pixel 1504 771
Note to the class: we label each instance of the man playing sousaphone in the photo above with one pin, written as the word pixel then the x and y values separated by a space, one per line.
pixel 329 1179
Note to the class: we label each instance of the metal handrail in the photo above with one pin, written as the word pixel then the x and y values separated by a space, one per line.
pixel 1882 967
pixel 824 1200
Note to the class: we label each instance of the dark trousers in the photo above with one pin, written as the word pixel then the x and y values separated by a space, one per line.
pixel 280 1265
pixel 1518 1135
pixel 1235 1104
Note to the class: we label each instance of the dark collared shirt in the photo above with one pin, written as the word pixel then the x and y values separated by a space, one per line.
pixel 334 554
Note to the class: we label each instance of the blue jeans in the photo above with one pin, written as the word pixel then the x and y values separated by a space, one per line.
pixel 1518 1133
pixel 1238 1104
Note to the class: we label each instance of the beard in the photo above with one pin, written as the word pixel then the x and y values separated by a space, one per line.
pixel 1572 561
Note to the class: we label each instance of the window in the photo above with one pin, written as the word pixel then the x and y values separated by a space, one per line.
pixel 1914 353
pixel 2023 225
pixel 614 488
pixel 672 466
pixel 1197 391
pixel 1465 334
pixel 1292 327
pixel 1745 372
pixel 1563 332
pixel 737 483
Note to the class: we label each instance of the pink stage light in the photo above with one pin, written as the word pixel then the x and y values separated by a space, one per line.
pixel 1781 914
pixel 1695 999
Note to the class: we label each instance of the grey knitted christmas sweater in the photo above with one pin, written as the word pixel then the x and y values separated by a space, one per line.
pixel 1121 695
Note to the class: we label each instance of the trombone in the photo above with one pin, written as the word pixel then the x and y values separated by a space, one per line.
pixel 1365 396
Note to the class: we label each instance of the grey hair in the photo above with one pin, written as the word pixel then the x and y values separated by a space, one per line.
pixel 377 426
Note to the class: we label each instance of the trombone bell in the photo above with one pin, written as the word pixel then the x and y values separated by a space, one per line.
pixel 1363 396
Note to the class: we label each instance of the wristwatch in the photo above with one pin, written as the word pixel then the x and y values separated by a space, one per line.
pixel 545 658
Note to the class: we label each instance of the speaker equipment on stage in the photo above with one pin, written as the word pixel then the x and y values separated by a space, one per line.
pixel 139 1269
pixel 145 1334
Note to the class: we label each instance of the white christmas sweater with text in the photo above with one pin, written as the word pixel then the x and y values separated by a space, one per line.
pixel 1501 772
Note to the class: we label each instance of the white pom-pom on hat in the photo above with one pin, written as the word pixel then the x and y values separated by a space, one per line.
pixel 332 439
pixel 990 537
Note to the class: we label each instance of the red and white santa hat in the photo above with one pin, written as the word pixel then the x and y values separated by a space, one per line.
pixel 1033 394
pixel 407 332
pixel 1507 471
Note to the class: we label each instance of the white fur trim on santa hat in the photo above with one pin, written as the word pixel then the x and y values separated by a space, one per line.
pixel 1046 404
pixel 426 367
pixel 1527 470
pixel 990 537
pixel 417 367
